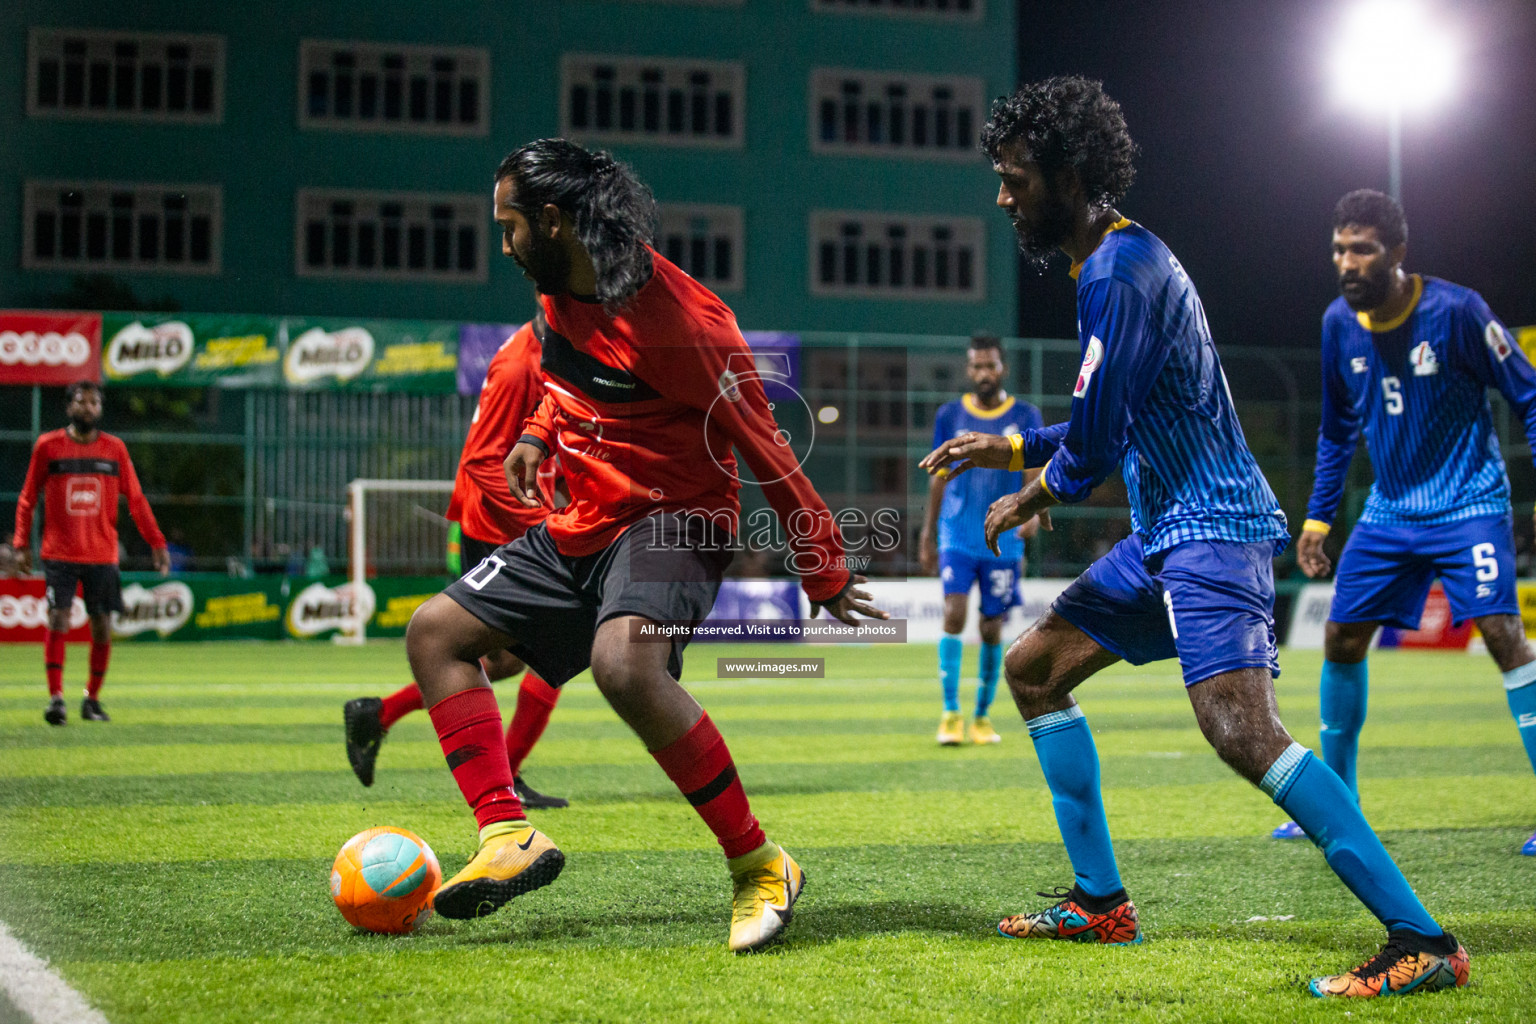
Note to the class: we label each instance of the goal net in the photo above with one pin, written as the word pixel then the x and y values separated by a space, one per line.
pixel 398 528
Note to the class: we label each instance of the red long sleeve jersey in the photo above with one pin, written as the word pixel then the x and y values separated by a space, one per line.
pixel 644 409
pixel 482 503
pixel 80 484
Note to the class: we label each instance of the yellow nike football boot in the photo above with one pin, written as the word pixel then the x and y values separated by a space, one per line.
pixel 982 731
pixel 767 882
pixel 951 729
pixel 508 864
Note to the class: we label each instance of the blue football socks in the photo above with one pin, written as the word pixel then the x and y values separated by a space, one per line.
pixel 991 665
pixel 950 649
pixel 1343 692
pixel 1520 688
pixel 1070 763
pixel 1317 800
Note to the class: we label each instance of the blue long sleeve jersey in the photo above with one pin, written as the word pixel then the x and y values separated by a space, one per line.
pixel 1151 396
pixel 962 516
pixel 1417 385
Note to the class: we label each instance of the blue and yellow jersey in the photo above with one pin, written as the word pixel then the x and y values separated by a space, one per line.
pixel 1151 397
pixel 968 496
pixel 1417 387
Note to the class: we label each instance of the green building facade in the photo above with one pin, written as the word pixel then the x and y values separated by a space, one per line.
pixel 815 159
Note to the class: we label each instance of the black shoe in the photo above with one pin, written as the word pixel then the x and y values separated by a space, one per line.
pixel 92 711
pixel 55 713
pixel 364 734
pixel 534 799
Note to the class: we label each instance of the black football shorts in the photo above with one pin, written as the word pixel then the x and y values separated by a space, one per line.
pixel 662 568
pixel 101 583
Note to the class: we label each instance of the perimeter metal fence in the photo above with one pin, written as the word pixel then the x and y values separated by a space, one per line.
pixel 256 480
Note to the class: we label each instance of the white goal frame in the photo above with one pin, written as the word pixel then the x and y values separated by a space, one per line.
pixel 357 551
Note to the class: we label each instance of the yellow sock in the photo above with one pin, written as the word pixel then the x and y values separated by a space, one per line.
pixel 755 859
pixel 502 828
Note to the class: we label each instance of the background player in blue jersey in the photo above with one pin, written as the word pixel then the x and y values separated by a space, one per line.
pixel 1194 580
pixel 1408 360
pixel 953 545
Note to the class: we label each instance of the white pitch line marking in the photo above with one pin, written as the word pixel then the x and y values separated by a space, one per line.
pixel 37 991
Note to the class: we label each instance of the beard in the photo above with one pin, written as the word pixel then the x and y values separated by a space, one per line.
pixel 83 422
pixel 1365 292
pixel 548 265
pixel 1040 238
pixel 986 390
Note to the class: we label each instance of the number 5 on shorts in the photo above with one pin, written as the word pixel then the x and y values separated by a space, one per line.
pixel 483 573
pixel 1487 564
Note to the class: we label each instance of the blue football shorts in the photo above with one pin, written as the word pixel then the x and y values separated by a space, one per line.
pixel 1208 603
pixel 998 578
pixel 1386 571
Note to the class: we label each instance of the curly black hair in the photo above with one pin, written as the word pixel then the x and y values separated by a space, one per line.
pixel 1067 123
pixel 614 212
pixel 79 386
pixel 1367 208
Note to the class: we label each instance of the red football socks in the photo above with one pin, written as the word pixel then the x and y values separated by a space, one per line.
pixel 701 766
pixel 399 704
pixel 53 663
pixel 468 726
pixel 535 700
pixel 100 655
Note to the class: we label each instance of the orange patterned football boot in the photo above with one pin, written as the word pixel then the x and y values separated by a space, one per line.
pixel 1398 970
pixel 1069 921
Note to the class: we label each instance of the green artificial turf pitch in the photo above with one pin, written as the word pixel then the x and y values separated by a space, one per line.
pixel 173 865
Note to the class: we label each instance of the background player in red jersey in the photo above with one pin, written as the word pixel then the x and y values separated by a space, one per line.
pixel 489 517
pixel 80 471
pixel 643 407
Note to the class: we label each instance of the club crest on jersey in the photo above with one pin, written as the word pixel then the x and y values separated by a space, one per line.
pixel 1092 359
pixel 1360 364
pixel 1497 340
pixel 1423 359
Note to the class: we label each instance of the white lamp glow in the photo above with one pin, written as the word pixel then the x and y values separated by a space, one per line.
pixel 1391 59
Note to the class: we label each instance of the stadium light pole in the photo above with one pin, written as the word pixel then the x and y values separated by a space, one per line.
pixel 1391 59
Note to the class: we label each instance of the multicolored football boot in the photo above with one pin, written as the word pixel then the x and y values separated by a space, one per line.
pixel 1290 830
pixel 982 731
pixel 505 867
pixel 1529 849
pixel 951 729
pixel 1398 970
pixel 1069 921
pixel 766 884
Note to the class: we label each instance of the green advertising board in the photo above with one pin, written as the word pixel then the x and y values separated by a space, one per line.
pixel 212 607
pixel 191 350
pixel 371 355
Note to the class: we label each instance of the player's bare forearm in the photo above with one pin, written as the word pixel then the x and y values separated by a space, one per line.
pixel 1013 510
pixel 522 468
pixel 970 450
pixel 927 540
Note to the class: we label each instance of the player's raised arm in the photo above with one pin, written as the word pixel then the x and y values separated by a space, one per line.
pixel 1336 439
pixel 974 450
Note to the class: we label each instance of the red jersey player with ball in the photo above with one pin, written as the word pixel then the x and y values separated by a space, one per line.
pixel 80 471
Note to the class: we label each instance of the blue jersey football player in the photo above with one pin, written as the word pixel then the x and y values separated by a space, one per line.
pixel 952 542
pixel 1194 581
pixel 1407 360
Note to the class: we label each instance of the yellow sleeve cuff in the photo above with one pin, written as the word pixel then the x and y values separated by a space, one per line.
pixel 1045 486
pixel 1315 526
pixel 1016 460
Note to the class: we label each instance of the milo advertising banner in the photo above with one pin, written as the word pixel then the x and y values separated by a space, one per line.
pixel 191 350
pixel 419 356
pixel 205 606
